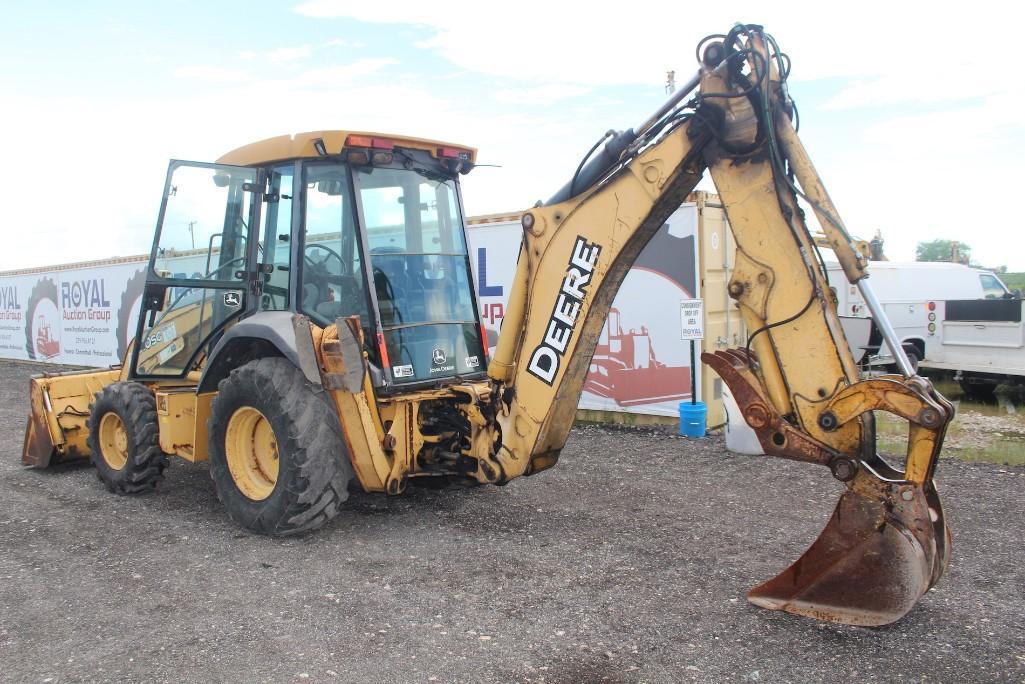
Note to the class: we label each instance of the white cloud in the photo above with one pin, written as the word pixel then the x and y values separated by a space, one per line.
pixel 911 175
pixel 342 74
pixel 542 94
pixel 945 171
pixel 289 54
pixel 539 39
pixel 212 74
pixel 340 42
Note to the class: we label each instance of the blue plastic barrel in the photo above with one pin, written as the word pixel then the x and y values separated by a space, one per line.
pixel 692 419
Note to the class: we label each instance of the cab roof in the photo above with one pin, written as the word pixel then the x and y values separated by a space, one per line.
pixel 301 146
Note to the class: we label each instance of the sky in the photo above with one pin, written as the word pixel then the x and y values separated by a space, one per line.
pixel 913 112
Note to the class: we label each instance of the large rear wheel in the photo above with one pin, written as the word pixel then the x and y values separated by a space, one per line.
pixel 124 438
pixel 277 456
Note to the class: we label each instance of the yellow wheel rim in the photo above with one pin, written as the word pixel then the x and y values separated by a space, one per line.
pixel 252 453
pixel 113 441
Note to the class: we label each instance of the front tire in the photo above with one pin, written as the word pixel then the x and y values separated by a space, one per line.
pixel 277 456
pixel 124 439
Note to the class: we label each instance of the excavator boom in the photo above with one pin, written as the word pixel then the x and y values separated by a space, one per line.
pixel 796 381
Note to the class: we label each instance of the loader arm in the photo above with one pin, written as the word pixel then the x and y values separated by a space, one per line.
pixel 796 381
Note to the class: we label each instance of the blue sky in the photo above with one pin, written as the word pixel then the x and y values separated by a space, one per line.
pixel 913 113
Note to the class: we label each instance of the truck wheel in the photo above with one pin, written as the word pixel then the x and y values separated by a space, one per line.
pixel 978 391
pixel 124 439
pixel 913 359
pixel 277 456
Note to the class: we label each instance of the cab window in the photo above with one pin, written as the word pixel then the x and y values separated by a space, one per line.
pixel 992 288
pixel 331 282
pixel 276 246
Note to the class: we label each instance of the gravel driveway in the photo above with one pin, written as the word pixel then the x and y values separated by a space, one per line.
pixel 628 562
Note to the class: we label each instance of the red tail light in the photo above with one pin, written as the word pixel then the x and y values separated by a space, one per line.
pixel 453 153
pixel 368 141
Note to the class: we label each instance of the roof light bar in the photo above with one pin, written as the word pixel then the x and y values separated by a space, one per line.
pixel 369 141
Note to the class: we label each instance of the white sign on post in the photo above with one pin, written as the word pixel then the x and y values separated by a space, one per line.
pixel 692 319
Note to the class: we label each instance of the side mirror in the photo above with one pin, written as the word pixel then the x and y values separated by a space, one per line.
pixel 154 299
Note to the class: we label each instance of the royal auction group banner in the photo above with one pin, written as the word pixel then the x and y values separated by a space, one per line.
pixel 82 316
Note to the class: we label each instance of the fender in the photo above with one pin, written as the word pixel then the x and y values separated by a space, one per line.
pixel 266 333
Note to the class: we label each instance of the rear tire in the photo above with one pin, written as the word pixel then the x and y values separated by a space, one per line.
pixel 277 456
pixel 913 359
pixel 124 439
pixel 978 391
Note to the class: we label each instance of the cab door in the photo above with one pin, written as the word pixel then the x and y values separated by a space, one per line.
pixel 204 269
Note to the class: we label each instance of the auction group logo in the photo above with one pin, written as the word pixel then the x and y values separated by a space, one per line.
pixel 42 321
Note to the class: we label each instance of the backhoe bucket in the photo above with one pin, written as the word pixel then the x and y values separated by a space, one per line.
pixel 884 547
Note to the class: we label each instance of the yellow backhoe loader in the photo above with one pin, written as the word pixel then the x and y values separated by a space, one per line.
pixel 324 333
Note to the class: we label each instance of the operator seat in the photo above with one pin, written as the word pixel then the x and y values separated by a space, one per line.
pixel 391 283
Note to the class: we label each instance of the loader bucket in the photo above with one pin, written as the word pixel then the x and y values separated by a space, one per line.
pixel 884 547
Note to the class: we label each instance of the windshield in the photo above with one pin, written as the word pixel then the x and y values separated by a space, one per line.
pixel 421 274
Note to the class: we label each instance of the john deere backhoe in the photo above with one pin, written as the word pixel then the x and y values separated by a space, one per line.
pixel 309 324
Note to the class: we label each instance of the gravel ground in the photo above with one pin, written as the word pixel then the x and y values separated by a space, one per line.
pixel 628 562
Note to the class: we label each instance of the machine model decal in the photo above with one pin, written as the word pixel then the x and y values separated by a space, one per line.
pixel 170 350
pixel 161 335
pixel 544 362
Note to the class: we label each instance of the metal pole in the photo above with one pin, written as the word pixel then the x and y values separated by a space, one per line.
pixel 693 376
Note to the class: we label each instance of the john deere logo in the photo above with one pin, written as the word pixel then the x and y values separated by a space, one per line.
pixel 439 357
pixel 232 299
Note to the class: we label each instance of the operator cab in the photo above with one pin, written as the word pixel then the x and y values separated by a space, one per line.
pixel 330 225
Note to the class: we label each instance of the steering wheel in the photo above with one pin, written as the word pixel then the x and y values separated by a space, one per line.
pixel 320 268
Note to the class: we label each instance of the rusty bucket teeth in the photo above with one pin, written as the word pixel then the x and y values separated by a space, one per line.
pixel 876 557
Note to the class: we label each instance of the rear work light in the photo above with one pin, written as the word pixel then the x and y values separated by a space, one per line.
pixel 358 157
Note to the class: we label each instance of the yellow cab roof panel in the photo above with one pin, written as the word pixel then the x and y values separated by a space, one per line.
pixel 300 146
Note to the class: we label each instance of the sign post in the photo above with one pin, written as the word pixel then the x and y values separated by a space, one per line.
pixel 692 327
